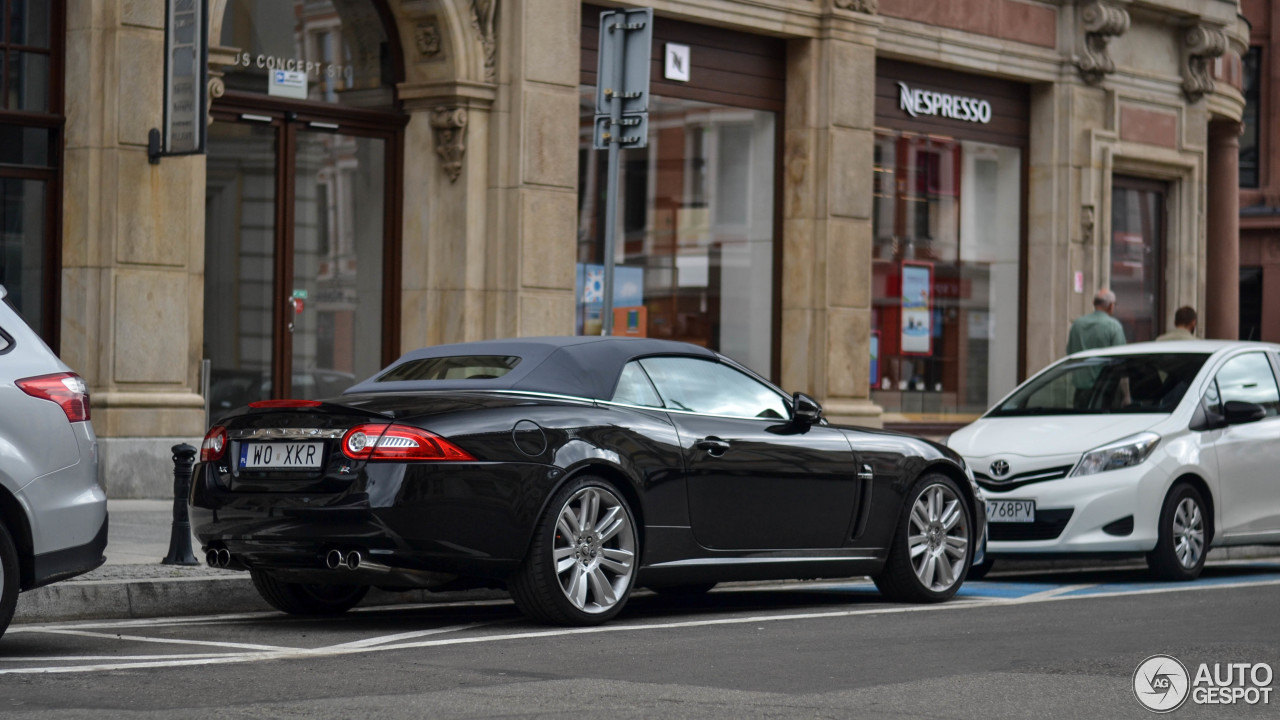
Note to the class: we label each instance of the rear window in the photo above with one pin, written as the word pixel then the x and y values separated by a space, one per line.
pixel 5 342
pixel 460 367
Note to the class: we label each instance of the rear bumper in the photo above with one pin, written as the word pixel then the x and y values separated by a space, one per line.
pixel 58 565
pixel 471 520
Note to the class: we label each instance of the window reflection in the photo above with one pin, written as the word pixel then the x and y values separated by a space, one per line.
pixel 946 227
pixel 695 242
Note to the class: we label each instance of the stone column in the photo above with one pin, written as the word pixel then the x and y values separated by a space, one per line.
pixel 1222 216
pixel 132 256
pixel 534 169
pixel 826 286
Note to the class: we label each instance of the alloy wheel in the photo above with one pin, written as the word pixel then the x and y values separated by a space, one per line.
pixel 938 537
pixel 594 550
pixel 1188 533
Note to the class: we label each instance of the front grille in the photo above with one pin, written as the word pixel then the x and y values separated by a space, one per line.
pixel 1048 525
pixel 1026 478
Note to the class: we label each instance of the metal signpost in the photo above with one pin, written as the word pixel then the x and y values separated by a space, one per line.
pixel 622 114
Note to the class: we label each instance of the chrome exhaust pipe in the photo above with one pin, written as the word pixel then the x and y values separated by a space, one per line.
pixel 334 559
pixel 224 558
pixel 353 560
pixel 211 558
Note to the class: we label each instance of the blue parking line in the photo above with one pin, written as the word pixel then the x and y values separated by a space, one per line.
pixel 1244 574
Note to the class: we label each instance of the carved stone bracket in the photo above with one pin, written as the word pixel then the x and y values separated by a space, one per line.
pixel 870 7
pixel 217 88
pixel 482 21
pixel 450 126
pixel 1100 22
pixel 1200 45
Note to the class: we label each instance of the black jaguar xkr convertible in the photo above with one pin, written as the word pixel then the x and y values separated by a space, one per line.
pixel 572 470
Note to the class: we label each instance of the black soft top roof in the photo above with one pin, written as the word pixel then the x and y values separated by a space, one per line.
pixel 583 366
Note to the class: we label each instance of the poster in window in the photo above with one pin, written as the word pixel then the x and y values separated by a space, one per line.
pixel 875 358
pixel 917 308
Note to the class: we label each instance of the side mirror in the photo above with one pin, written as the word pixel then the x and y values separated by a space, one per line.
pixel 1239 412
pixel 805 410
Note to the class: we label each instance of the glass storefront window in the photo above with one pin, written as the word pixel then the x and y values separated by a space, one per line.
pixel 696 236
pixel 30 141
pixel 946 256
pixel 1137 240
pixel 335 51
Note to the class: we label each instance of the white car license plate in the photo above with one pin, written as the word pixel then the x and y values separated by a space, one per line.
pixel 280 456
pixel 1011 511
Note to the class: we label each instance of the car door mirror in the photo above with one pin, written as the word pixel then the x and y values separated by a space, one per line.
pixel 1239 412
pixel 805 410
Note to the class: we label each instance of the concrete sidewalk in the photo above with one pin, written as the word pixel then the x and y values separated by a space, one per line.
pixel 134 584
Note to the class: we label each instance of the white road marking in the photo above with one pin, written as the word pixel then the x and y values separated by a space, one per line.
pixel 374 641
pixel 96 658
pixel 170 641
pixel 386 643
pixel 1053 592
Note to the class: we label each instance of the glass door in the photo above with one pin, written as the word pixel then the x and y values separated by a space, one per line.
pixel 335 297
pixel 295 240
pixel 1137 257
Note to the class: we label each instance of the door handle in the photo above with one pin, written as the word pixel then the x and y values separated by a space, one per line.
pixel 714 446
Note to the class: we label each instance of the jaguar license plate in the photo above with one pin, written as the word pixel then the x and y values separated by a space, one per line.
pixel 1011 511
pixel 280 455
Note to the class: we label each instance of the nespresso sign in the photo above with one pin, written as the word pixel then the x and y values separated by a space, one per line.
pixel 916 102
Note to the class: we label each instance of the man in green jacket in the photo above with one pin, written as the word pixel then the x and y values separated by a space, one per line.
pixel 1098 329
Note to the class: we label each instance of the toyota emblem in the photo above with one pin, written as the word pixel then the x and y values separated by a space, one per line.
pixel 999 468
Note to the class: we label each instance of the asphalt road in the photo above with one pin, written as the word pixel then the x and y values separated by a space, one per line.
pixel 1061 645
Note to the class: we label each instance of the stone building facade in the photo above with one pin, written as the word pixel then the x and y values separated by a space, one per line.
pixel 896 206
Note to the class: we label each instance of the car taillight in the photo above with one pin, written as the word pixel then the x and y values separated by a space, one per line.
pixel 281 404
pixel 382 442
pixel 66 389
pixel 214 445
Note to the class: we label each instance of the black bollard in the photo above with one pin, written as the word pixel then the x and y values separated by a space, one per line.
pixel 184 457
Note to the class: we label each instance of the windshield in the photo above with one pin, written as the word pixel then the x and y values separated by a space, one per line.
pixel 1152 383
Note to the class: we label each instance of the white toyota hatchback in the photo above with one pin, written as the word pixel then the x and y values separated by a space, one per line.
pixel 1163 448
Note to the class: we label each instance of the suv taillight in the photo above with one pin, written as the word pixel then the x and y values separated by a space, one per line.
pixel 381 442
pixel 66 389
pixel 214 445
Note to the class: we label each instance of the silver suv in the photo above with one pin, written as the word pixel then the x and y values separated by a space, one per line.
pixel 53 512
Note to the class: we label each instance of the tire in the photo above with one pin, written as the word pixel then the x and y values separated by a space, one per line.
pixel 937 524
pixel 307 598
pixel 684 591
pixel 979 571
pixel 9 579
pixel 581 564
pixel 1184 539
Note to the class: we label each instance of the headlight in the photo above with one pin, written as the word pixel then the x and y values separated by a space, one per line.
pixel 1124 453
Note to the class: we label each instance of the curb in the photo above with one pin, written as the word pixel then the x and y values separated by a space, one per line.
pixel 181 596
pixel 196 592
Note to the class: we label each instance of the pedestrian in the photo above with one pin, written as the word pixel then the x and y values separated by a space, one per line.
pixel 1184 325
pixel 1098 329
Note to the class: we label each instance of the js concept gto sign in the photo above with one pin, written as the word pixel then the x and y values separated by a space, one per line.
pixel 916 102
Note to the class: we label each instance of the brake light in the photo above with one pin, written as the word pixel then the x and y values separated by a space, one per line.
pixel 214 445
pixel 378 442
pixel 66 389
pixel 279 404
